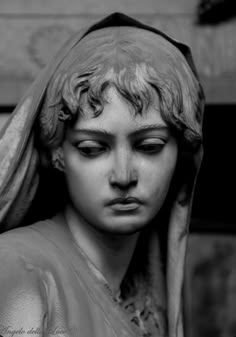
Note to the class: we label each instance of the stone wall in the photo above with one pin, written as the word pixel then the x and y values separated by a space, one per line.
pixel 31 31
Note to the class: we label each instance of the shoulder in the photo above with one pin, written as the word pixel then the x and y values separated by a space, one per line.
pixel 22 292
pixel 19 241
pixel 28 257
pixel 21 256
pixel 35 244
pixel 42 248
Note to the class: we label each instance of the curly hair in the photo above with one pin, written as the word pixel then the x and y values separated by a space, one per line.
pixel 141 66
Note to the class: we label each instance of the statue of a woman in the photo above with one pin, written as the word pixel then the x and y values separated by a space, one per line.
pixel 98 165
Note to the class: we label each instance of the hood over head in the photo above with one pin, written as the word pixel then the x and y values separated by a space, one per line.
pixel 30 140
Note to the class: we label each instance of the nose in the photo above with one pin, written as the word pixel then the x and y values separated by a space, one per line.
pixel 123 175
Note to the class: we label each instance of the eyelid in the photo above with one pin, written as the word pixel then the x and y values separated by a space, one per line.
pixel 90 148
pixel 151 145
pixel 89 143
pixel 153 140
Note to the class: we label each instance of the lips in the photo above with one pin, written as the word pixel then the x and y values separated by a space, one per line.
pixel 124 201
pixel 125 204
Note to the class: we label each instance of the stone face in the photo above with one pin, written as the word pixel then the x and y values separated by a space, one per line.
pixel 31 33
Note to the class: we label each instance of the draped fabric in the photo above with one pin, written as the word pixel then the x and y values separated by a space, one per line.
pixel 51 273
pixel 20 177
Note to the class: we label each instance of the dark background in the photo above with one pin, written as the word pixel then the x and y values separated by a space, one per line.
pixel 214 201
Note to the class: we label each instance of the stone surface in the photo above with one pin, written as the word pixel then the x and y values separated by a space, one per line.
pixel 32 31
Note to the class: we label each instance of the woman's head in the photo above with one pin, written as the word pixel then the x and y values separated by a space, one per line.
pixel 121 69
pixel 118 166
pixel 143 66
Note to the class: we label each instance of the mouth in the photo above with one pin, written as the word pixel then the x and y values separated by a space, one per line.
pixel 125 204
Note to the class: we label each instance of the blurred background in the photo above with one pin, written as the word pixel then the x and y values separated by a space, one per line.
pixel 31 31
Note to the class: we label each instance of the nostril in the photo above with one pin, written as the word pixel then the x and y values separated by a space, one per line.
pixel 123 174
pixel 124 184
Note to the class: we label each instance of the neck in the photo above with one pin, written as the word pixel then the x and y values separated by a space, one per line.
pixel 110 254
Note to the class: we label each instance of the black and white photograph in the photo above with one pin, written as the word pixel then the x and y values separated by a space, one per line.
pixel 117 170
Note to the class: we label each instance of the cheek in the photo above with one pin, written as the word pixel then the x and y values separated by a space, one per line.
pixel 157 176
pixel 85 178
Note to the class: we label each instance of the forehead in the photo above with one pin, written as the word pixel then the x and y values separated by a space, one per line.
pixel 118 114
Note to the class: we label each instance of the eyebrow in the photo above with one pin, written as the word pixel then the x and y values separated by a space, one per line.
pixel 138 131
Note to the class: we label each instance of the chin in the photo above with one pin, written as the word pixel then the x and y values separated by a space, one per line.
pixel 123 226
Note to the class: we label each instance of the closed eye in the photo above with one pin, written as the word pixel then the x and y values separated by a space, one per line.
pixel 91 148
pixel 150 146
